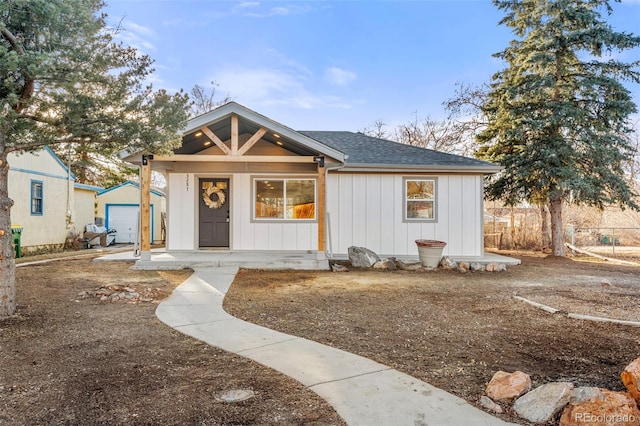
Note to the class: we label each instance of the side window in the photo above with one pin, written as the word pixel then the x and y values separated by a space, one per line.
pixel 37 198
pixel 420 199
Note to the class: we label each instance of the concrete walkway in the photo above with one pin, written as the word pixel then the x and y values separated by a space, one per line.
pixel 362 392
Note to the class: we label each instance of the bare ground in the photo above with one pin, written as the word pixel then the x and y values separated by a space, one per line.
pixel 72 360
pixel 456 330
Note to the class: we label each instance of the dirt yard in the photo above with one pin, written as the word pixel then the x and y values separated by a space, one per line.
pixel 456 330
pixel 75 360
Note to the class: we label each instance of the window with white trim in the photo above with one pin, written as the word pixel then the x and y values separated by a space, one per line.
pixel 37 206
pixel 420 199
pixel 284 199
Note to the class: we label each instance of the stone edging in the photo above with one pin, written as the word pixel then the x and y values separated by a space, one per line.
pixel 576 316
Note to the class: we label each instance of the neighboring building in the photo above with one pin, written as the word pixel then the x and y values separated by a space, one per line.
pixel 243 182
pixel 48 204
pixel 119 206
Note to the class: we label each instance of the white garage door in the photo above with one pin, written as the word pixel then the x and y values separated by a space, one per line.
pixel 124 219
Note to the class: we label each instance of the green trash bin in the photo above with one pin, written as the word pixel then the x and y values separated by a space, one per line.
pixel 16 233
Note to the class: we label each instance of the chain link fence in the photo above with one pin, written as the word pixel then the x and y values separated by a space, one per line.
pixel 607 241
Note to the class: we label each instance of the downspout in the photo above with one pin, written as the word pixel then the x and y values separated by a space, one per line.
pixel 69 211
pixel 136 246
pixel 328 250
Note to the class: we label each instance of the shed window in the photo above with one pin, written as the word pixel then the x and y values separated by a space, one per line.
pixel 285 199
pixel 420 199
pixel 36 198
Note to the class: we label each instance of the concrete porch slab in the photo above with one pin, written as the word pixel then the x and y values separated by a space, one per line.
pixel 161 260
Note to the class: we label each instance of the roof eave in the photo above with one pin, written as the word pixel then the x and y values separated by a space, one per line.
pixel 369 167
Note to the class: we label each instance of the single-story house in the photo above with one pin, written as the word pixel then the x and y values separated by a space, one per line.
pixel 48 204
pixel 120 206
pixel 241 181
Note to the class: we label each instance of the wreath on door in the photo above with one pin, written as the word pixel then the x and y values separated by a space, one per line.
pixel 220 197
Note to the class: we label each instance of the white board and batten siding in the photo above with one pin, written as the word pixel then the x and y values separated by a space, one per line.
pixel 181 211
pixel 255 235
pixel 367 210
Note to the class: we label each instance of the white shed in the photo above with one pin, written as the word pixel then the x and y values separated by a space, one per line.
pixel 119 207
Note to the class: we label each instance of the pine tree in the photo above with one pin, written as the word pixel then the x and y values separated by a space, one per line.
pixel 65 80
pixel 559 112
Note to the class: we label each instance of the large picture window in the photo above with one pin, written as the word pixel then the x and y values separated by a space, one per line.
pixel 420 199
pixel 36 198
pixel 285 199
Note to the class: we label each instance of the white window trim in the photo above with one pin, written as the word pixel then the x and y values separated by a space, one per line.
pixel 255 219
pixel 405 200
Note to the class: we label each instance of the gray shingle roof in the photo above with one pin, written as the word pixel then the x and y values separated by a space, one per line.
pixel 365 150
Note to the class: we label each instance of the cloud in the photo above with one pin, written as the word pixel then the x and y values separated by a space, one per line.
pixel 271 86
pixel 137 36
pixel 291 9
pixel 248 4
pixel 338 76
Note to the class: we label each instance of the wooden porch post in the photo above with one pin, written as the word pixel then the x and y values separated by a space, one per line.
pixel 321 207
pixel 145 208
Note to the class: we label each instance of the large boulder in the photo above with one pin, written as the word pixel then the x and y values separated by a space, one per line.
pixel 544 402
pixel 630 377
pixel 508 386
pixel 606 408
pixel 584 393
pixel 362 257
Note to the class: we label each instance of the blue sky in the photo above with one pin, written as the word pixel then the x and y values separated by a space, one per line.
pixel 327 65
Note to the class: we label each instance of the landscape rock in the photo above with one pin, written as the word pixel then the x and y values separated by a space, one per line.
pixel 501 267
pixel 464 265
pixel 492 267
pixel 610 408
pixel 544 402
pixel 508 386
pixel 490 405
pixel 583 393
pixel 361 257
pixel 476 266
pixel 336 267
pixel 117 293
pixel 447 263
pixel 387 264
pixel 630 377
pixel 408 266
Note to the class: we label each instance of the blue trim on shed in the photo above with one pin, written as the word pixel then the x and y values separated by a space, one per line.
pixel 88 187
pixel 60 162
pixel 127 183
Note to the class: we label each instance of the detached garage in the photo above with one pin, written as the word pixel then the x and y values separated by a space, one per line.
pixel 119 206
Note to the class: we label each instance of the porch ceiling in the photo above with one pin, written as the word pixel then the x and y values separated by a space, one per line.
pixel 192 144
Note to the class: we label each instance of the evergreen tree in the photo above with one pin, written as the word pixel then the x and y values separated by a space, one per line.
pixel 558 113
pixel 64 80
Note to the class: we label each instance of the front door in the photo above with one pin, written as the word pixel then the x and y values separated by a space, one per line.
pixel 214 212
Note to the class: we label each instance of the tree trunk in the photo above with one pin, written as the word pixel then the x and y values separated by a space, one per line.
pixel 7 263
pixel 545 227
pixel 557 235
